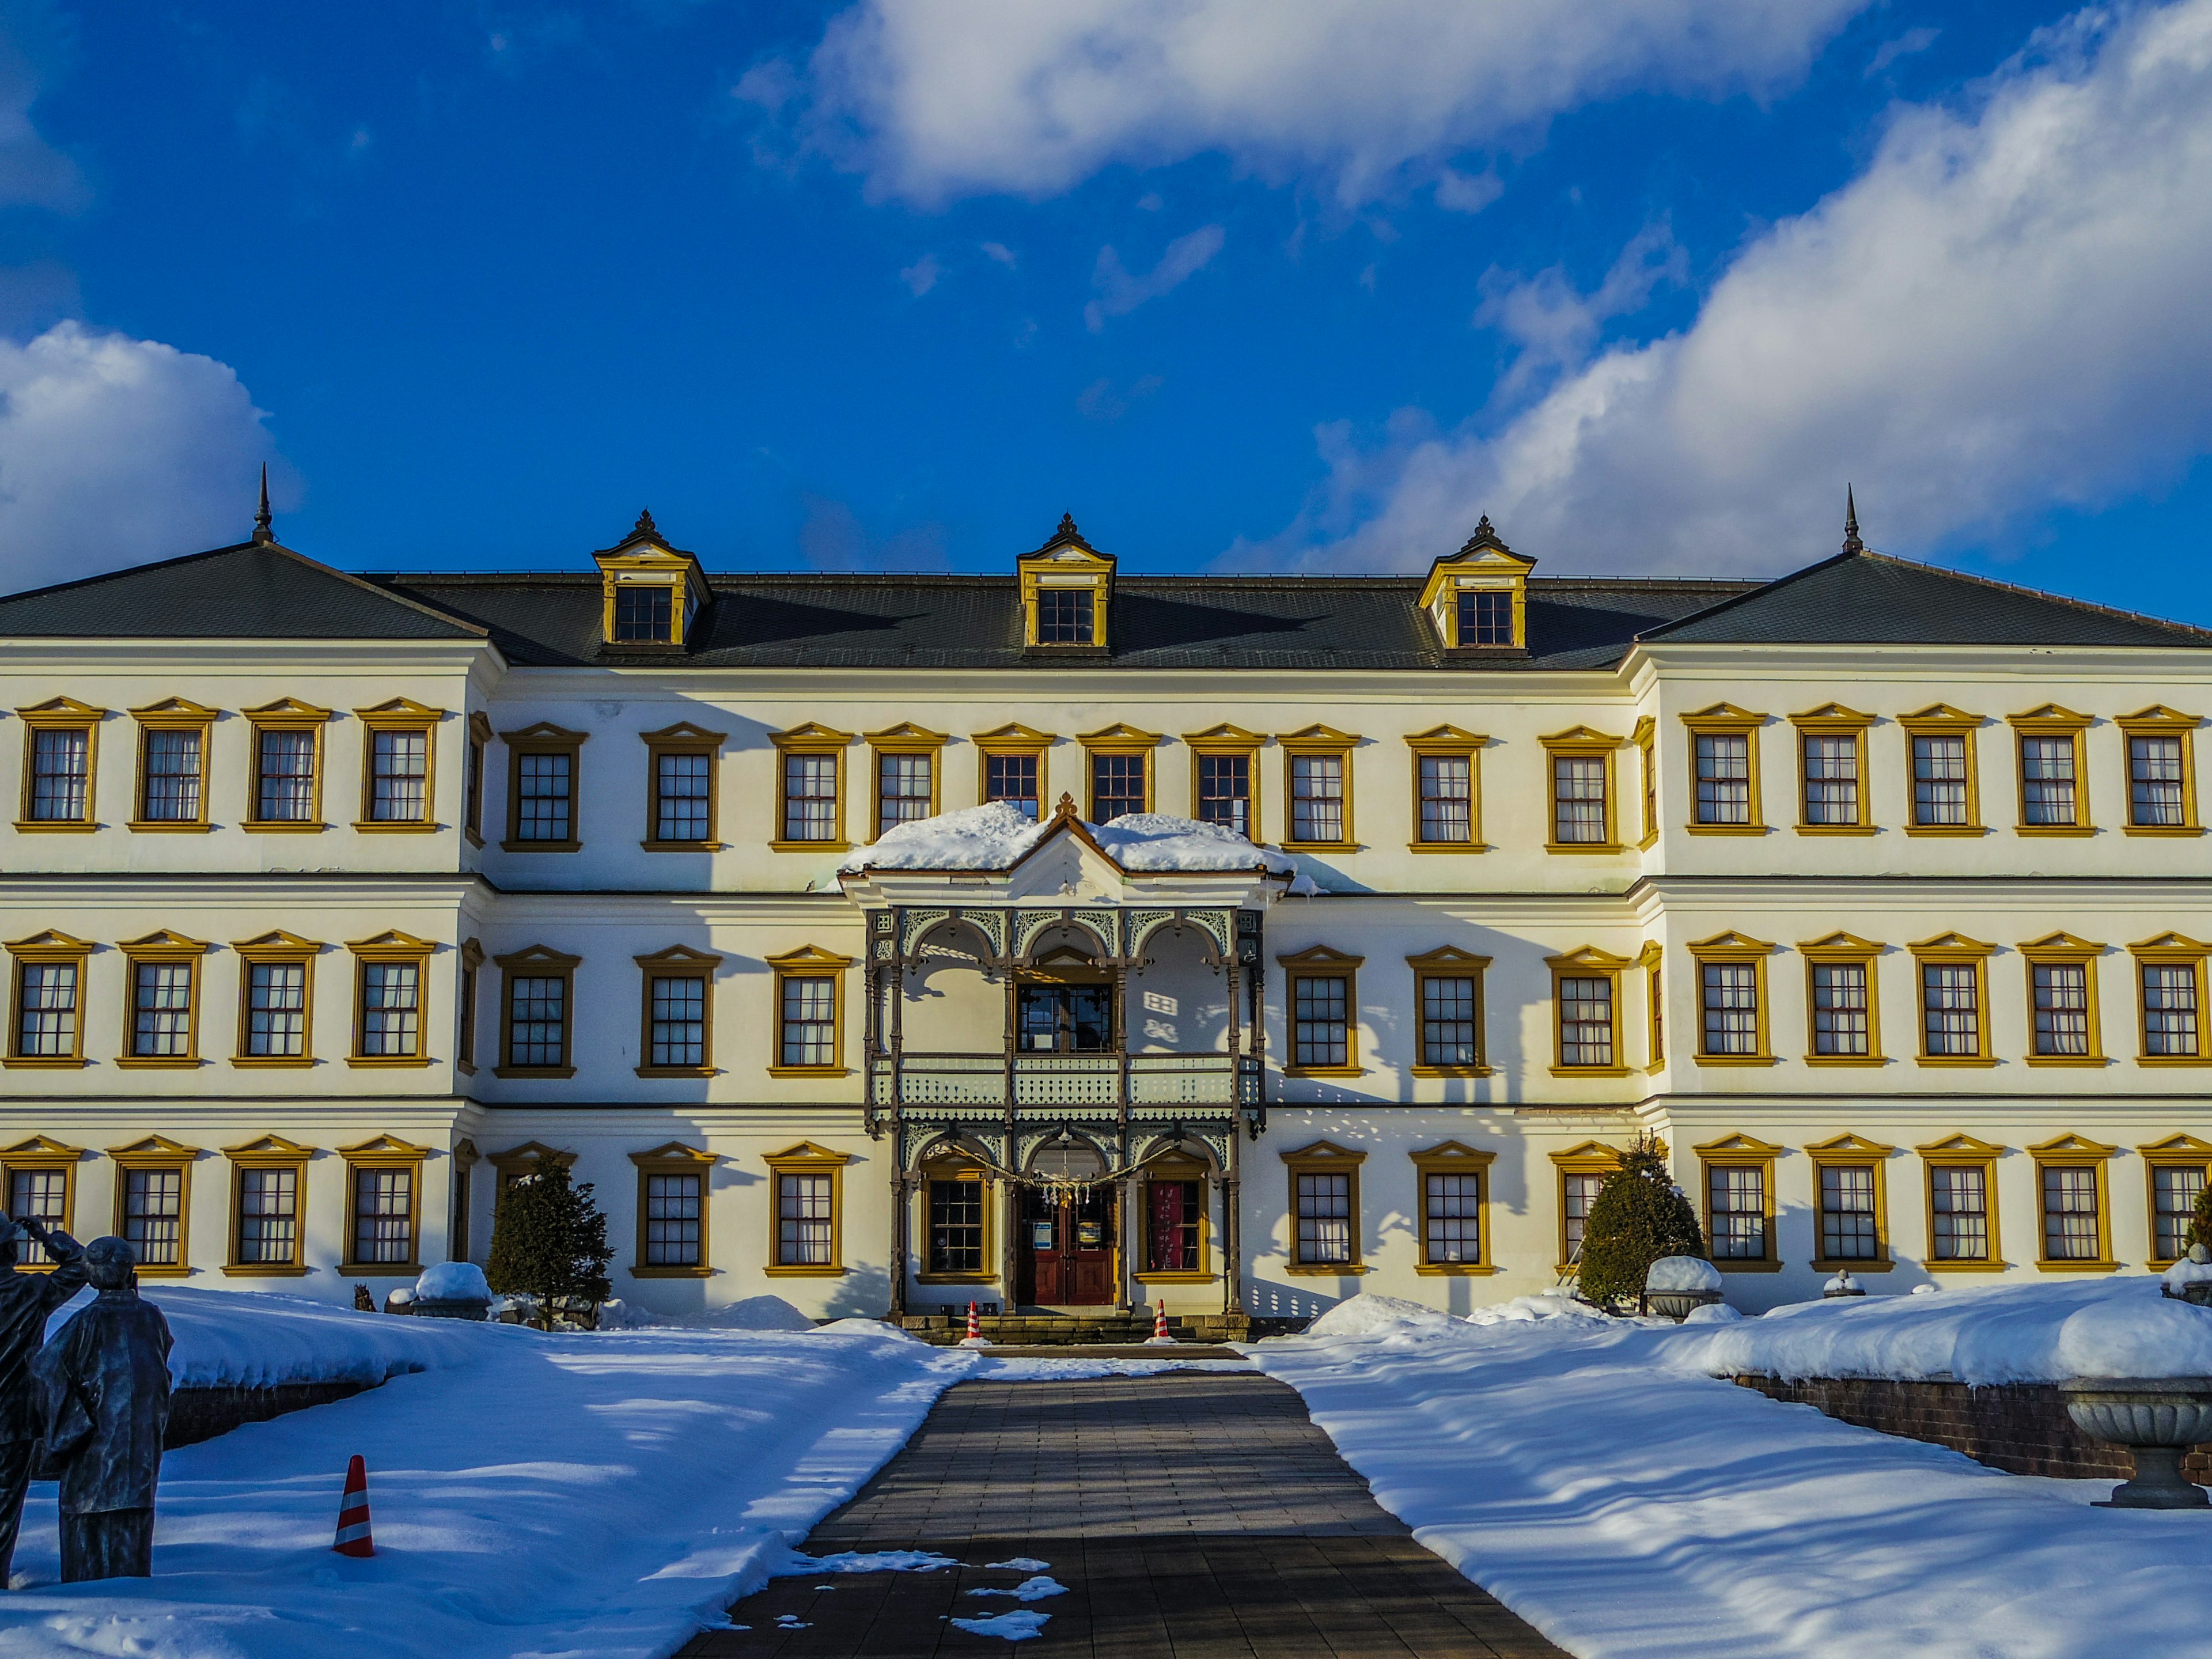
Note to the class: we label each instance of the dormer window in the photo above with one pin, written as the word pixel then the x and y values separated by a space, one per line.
pixel 652 594
pixel 1065 616
pixel 1478 597
pixel 645 614
pixel 1066 587
pixel 1485 617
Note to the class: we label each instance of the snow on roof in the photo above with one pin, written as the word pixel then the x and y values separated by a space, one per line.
pixel 996 836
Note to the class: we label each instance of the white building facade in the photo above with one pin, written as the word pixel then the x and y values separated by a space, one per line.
pixel 1876 893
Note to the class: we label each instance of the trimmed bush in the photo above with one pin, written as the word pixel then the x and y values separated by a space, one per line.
pixel 550 1241
pixel 1637 1217
pixel 2200 1225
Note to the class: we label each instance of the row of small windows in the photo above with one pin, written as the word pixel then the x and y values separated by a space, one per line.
pixel 1847 1193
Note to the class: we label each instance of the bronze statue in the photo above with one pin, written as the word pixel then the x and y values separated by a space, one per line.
pixel 26 1300
pixel 104 1383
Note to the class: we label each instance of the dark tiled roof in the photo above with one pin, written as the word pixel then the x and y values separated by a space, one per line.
pixel 256 590
pixel 1157 622
pixel 1871 599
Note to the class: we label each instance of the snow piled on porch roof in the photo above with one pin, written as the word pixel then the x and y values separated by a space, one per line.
pixel 995 836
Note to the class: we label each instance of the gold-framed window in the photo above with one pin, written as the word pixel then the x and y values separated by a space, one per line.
pixel 1177 1221
pixel 906 764
pixel 1959 1182
pixel 1850 1203
pixel 682 805
pixel 1317 788
pixel 1943 775
pixel 175 738
pixel 284 783
pixel 2050 767
pixel 1581 1170
pixel 809 1012
pixel 1446 765
pixel 276 999
pixel 1452 1040
pixel 1586 1013
pixel 1645 736
pixel 1732 1023
pixel 1736 1191
pixel 1723 753
pixel 2073 1205
pixel 1010 766
pixel 2062 1025
pixel 268 1209
pixel 391 1000
pixel 956 1215
pixel 466 991
pixel 1454 1181
pixel 806 1213
pixel 676 1012
pixel 810 789
pixel 38 1179
pixel 1321 997
pixel 1843 1001
pixel 472 778
pixel 544 788
pixel 1224 778
pixel 161 1000
pixel 1326 1233
pixel 2162 758
pixel 61 766
pixel 399 767
pixel 153 1204
pixel 674 1189
pixel 1117 771
pixel 1652 959
pixel 1832 771
pixel 2170 1000
pixel 384 1207
pixel 2175 1172
pixel 1952 994
pixel 538 1012
pixel 47 1005
pixel 1578 765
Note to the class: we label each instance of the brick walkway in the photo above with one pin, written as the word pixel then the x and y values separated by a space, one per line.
pixel 1194 1514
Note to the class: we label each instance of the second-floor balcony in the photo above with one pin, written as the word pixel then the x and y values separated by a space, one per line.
pixel 1068 1079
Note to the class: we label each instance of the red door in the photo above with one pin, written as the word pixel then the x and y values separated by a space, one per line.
pixel 1068 1248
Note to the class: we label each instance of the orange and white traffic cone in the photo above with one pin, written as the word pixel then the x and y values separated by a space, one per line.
pixel 976 1339
pixel 1160 1335
pixel 353 1512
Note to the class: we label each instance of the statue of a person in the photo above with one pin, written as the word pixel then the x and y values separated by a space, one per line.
pixel 26 1300
pixel 104 1386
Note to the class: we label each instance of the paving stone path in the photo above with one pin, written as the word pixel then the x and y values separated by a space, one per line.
pixel 1195 1515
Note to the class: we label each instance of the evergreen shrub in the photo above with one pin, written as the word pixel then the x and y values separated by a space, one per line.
pixel 549 1240
pixel 1638 1216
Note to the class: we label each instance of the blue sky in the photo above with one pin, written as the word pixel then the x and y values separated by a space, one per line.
pixel 1244 285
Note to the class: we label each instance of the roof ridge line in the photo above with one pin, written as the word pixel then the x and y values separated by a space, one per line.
pixel 2089 605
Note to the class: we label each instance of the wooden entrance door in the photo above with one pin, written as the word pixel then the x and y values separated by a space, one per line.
pixel 1068 1248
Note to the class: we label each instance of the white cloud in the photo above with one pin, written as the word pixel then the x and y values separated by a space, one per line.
pixel 1120 293
pixel 2005 311
pixel 1466 192
pixel 933 99
pixel 999 252
pixel 921 275
pixel 1556 325
pixel 115 451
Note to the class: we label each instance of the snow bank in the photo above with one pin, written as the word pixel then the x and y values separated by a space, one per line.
pixel 452 1281
pixel 993 835
pixel 1999 1333
pixel 1368 1314
pixel 1682 1272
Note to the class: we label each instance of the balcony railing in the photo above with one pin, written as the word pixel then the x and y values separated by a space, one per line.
pixel 1213 1079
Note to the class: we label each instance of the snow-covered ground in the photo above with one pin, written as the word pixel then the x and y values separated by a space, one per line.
pixel 605 1493
pixel 1591 1475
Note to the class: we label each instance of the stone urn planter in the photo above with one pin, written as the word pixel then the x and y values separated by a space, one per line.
pixel 1676 1284
pixel 1842 1285
pixel 451 1289
pixel 2189 1279
pixel 2158 1420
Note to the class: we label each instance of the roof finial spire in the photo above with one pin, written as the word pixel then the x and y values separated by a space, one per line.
pixel 1067 525
pixel 1851 542
pixel 263 530
pixel 1484 528
pixel 644 527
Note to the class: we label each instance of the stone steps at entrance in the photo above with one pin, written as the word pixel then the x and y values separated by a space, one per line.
pixel 1075 1330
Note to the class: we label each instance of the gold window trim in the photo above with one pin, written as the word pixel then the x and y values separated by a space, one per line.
pixel 1842 948
pixel 2160 721
pixel 1318 741
pixel 392 945
pixel 174 714
pixel 1961 1151
pixel 1449 962
pixel 1453 1158
pixel 51 946
pixel 806 1157
pixel 2182 1151
pixel 1590 961
pixel 1726 719
pixel 683 738
pixel 161 946
pixel 1652 959
pixel 1450 742
pixel 528 1160
pixel 536 961
pixel 1484 563
pixel 472 784
pixel 269 1152
pixel 286 715
pixel 2063 949
pixel 468 994
pixel 1326 1157
pixel 62 713
pixel 1589 1157
pixel 1853 1152
pixel 1834 720
pixel 1320 962
pixel 2051 720
pixel 1645 736
pixel 276 947
pixel 1952 948
pixel 404 714
pixel 43 1154
pixel 2170 950
pixel 1066 563
pixel 2074 1152
pixel 809 962
pixel 1735 948
pixel 1176 1167
pixel 1120 739
pixel 905 738
pixel 1226 739
pixel 1741 1152
pixel 1012 738
pixel 384 1152
pixel 674 1157
pixel 157 1153
pixel 544 738
pixel 1941 720
pixel 1580 740
pixel 953 1163
pixel 811 738
pixel 677 962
